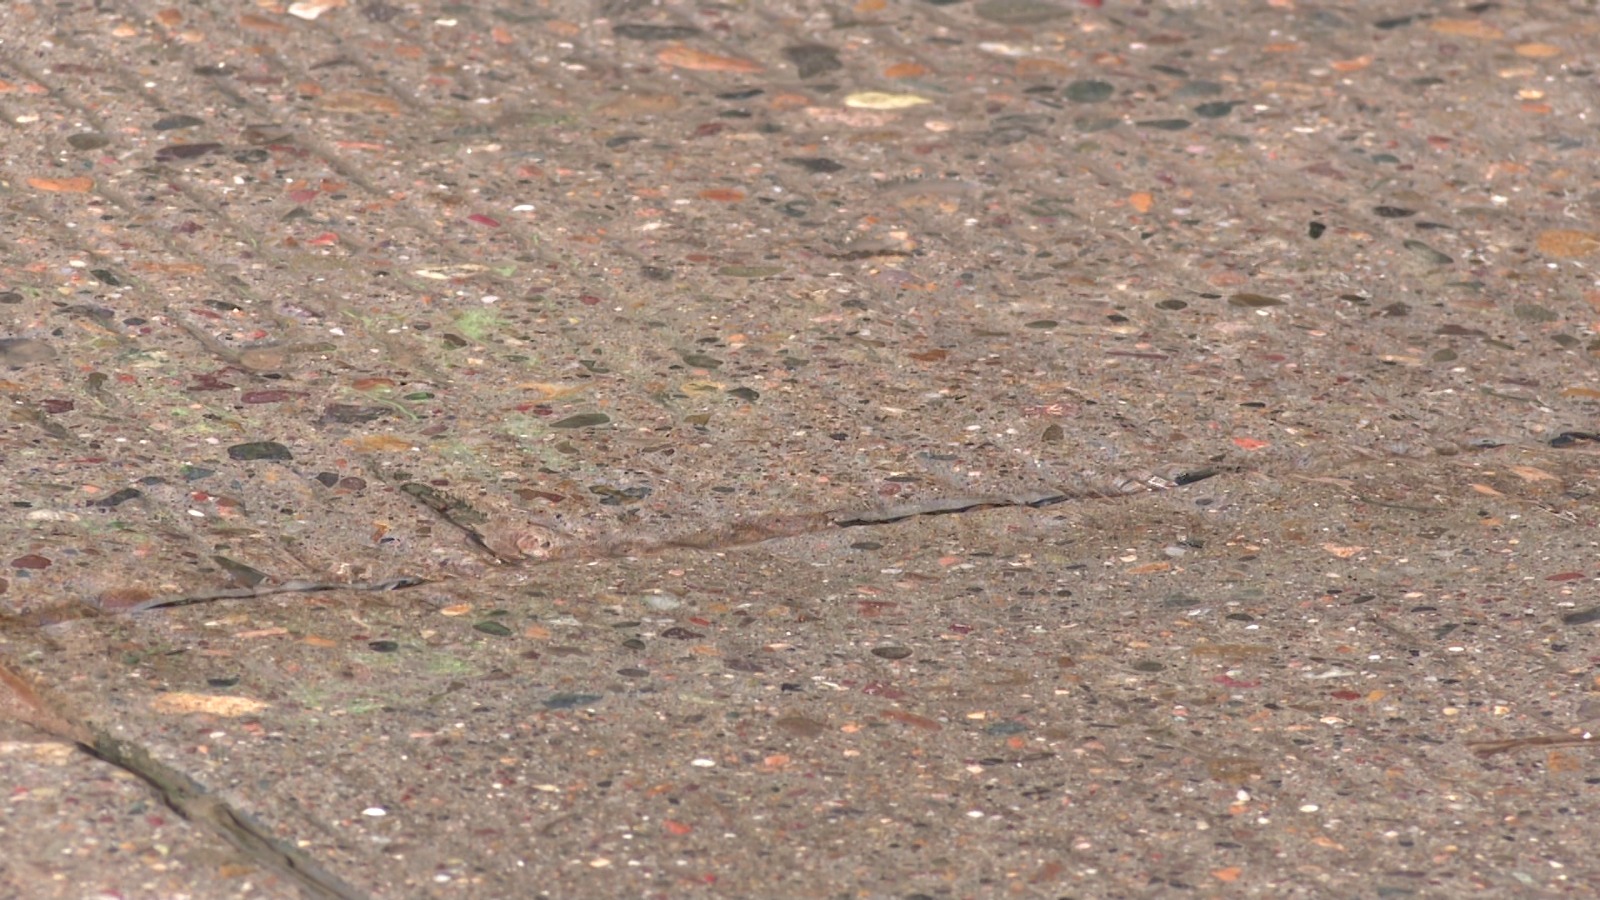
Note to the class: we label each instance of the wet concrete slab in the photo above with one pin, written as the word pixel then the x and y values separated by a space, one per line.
pixel 912 449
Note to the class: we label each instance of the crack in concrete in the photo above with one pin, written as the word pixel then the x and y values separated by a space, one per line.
pixel 180 793
pixel 541 543
pixel 545 544
pixel 68 612
pixel 191 800
pixel 286 587
pixel 549 544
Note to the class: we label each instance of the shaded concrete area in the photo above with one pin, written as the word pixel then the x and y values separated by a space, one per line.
pixel 916 449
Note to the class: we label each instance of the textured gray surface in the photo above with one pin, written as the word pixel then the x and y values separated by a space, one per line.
pixel 431 427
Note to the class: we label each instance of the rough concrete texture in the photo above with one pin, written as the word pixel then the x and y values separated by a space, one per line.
pixel 924 449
